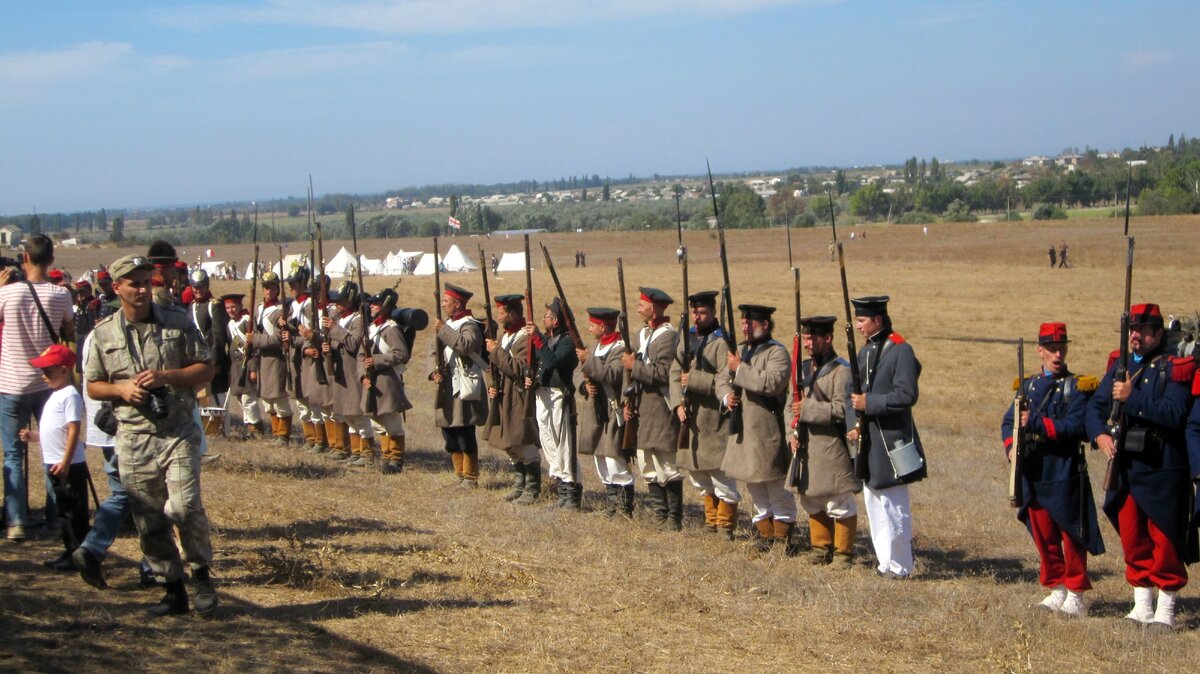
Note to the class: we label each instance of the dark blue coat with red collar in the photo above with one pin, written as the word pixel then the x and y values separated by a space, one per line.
pixel 1054 469
pixel 1193 441
pixel 892 392
pixel 1158 476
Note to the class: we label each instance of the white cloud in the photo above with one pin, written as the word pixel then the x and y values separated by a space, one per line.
pixel 452 16
pixel 80 62
pixel 953 14
pixel 305 61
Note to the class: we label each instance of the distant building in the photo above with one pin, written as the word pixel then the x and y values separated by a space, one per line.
pixel 11 236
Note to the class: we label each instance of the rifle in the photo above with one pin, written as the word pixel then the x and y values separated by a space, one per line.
pixel 577 342
pixel 630 391
pixel 364 314
pixel 735 415
pixel 439 353
pixel 490 331
pixel 683 441
pixel 861 470
pixel 1020 404
pixel 799 432
pixel 530 374
pixel 253 305
pixel 287 370
pixel 1116 412
pixel 315 285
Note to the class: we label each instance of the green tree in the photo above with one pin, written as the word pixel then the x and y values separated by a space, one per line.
pixel 454 202
pixel 35 225
pixel 604 192
pixel 869 202
pixel 839 180
pixel 741 207
pixel 117 235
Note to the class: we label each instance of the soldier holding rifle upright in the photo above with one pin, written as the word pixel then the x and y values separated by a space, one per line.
pixel 1149 501
pixel 271 356
pixel 1055 496
pixel 709 428
pixel 318 394
pixel 344 331
pixel 658 426
pixel 756 380
pixel 461 404
pixel 511 428
pixel 823 470
pixel 242 387
pixel 386 352
pixel 894 459
pixel 555 391
pixel 600 436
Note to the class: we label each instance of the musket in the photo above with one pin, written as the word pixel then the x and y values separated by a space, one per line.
pixel 491 330
pixel 1116 412
pixel 253 305
pixel 439 352
pixel 683 440
pixel 1020 404
pixel 735 415
pixel 364 313
pixel 577 343
pixel 317 275
pixel 530 373
pixel 287 369
pixel 630 391
pixel 861 469
pixel 799 432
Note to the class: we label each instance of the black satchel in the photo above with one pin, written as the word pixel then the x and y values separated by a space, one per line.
pixel 105 419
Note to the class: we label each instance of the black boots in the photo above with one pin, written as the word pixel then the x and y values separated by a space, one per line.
pixel 206 595
pixel 174 602
pixel 518 484
pixel 570 495
pixel 674 492
pixel 656 502
pixel 533 484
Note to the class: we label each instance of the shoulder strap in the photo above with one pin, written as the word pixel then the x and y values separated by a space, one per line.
pixel 42 311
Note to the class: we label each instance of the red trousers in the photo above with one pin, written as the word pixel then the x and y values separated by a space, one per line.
pixel 1064 562
pixel 1150 557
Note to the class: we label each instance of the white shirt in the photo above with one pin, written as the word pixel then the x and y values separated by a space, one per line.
pixel 65 405
pixel 94 436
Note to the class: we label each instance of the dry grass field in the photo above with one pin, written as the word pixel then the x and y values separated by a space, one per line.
pixel 323 568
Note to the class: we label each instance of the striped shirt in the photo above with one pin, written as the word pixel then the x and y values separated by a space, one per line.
pixel 25 333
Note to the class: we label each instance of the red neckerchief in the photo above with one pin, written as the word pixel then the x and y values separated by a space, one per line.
pixel 464 312
pixel 609 338
pixel 268 305
pixel 157 283
pixel 516 327
pixel 345 311
pixel 379 319
pixel 301 297
pixel 656 322
pixel 322 304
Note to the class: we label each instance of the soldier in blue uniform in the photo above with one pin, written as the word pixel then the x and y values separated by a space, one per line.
pixel 1151 504
pixel 1056 504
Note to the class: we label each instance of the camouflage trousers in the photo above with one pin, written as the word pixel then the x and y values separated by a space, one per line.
pixel 161 474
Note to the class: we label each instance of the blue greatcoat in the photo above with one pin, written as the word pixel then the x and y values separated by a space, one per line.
pixel 1053 472
pixel 1158 476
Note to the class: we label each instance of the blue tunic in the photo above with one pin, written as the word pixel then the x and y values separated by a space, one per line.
pixel 1158 476
pixel 1053 471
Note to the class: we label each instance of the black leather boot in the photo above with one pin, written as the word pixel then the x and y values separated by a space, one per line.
pixel 674 521
pixel 656 498
pixel 205 599
pixel 533 484
pixel 518 485
pixel 174 602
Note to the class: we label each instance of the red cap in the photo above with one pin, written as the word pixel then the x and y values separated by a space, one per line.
pixel 56 275
pixel 57 354
pixel 180 264
pixel 1053 333
pixel 1146 314
pixel 82 283
pixel 103 275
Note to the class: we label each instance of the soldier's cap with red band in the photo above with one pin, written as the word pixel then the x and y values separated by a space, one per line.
pixel 602 315
pixel 458 293
pixel 756 312
pixel 1053 333
pixel 818 325
pixel 512 301
pixel 707 298
pixel 103 275
pixel 656 296
pixel 83 283
pixel 1145 314
pixel 57 354
pixel 875 305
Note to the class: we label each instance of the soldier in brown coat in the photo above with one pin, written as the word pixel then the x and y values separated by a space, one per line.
pixel 386 353
pixel 318 397
pixel 271 360
pixel 511 426
pixel 709 429
pixel 292 340
pixel 658 426
pixel 757 380
pixel 822 469
pixel 461 404
pixel 600 419
pixel 246 392
pixel 343 339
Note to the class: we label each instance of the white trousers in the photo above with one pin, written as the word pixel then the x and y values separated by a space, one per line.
pixel 524 454
pixel 552 429
pixel 715 483
pixel 890 516
pixel 613 471
pixel 838 507
pixel 773 500
pixel 309 413
pixel 252 411
pixel 277 407
pixel 359 425
pixel 391 424
pixel 658 466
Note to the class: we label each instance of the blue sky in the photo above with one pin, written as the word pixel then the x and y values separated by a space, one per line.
pixel 125 104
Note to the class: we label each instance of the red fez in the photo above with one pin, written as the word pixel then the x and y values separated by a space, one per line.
pixel 82 283
pixel 1053 333
pixel 1146 314
pixel 56 275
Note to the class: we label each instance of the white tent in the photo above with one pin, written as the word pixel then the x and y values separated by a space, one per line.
pixel 290 264
pixel 511 262
pixel 452 261
pixel 425 266
pixel 398 262
pixel 215 268
pixel 370 266
pixel 250 270
pixel 341 265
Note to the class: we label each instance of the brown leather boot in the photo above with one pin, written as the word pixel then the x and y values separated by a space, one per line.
pixel 392 448
pixel 710 511
pixel 726 518
pixel 820 534
pixel 470 471
pixel 309 432
pixel 765 529
pixel 457 459
pixel 843 541
pixel 285 431
pixel 320 442
pixel 783 536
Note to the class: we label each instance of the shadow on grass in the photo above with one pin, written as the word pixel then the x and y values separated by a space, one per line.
pixel 938 564
pixel 309 529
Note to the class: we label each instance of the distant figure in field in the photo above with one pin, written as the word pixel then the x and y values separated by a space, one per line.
pixel 582 259
pixel 1053 256
pixel 1062 255
pixel 495 264
pixel 679 255
pixel 832 251
pixel 578 259
pixel 925 231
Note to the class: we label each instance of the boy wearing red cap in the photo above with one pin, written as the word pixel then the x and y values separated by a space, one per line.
pixel 60 434
pixel 1150 502
pixel 1056 497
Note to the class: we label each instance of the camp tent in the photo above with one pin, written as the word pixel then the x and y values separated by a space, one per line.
pixel 290 264
pixel 341 265
pixel 370 266
pixel 511 262
pixel 398 263
pixel 452 261
pixel 215 268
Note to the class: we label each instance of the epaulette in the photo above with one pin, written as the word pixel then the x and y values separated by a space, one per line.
pixel 1183 369
pixel 104 320
pixel 1112 358
pixel 1016 383
pixel 1086 383
pixel 896 338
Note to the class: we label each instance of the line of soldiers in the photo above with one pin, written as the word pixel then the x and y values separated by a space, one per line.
pixel 1153 447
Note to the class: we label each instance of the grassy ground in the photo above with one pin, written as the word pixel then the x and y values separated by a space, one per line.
pixel 323 568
